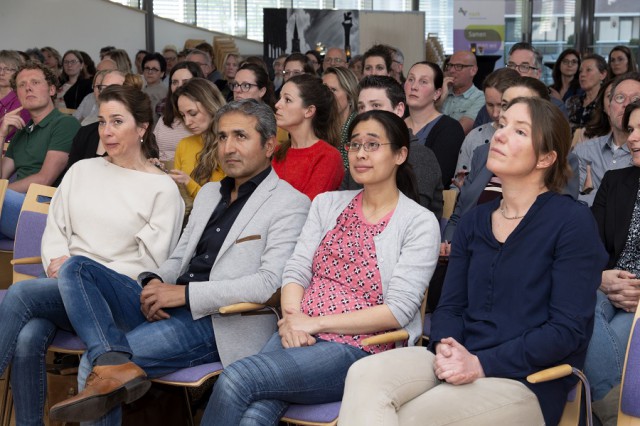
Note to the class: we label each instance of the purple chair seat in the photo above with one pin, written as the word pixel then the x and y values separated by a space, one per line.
pixel 28 240
pixel 6 244
pixel 191 375
pixel 67 341
pixel 630 398
pixel 316 413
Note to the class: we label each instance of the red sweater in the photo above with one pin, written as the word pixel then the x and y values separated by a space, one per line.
pixel 311 170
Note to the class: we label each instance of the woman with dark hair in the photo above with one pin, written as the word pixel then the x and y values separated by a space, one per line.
pixel 565 75
pixel 74 82
pixel 621 61
pixel 297 64
pixel 519 297
pixel 315 60
pixel 599 124
pixel 344 85
pixel 441 133
pixel 89 66
pixel 617 212
pixel 154 67
pixel 252 82
pixel 593 74
pixel 196 161
pixel 169 130
pixel 118 211
pixel 309 160
pixel 336 290
pixel 52 59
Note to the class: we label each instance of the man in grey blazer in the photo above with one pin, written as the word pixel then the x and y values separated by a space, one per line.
pixel 240 233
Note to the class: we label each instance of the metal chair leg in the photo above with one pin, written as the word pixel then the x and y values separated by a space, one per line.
pixel 188 401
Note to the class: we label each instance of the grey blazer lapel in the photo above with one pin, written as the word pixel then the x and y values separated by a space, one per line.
pixel 255 201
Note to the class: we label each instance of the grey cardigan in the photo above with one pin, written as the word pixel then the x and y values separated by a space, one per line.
pixel 407 252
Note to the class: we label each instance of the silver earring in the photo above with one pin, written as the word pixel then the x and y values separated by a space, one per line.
pixel 141 140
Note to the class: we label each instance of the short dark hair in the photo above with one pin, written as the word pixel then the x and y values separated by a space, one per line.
pixel 500 79
pixel 523 45
pixel 262 80
pixel 155 56
pixel 379 50
pixel 627 113
pixel 306 64
pixel 393 89
pixel 169 113
pixel 534 85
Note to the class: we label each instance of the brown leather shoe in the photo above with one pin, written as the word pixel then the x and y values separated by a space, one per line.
pixel 107 386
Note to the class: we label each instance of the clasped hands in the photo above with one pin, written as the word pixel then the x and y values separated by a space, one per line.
pixel 296 329
pixel 622 288
pixel 157 295
pixel 455 364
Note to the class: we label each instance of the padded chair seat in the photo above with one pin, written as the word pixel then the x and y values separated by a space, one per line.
pixel 6 244
pixel 29 234
pixel 317 413
pixel 630 399
pixel 188 376
pixel 68 341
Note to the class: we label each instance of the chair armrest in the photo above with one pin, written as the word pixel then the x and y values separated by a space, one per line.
pixel 27 261
pixel 552 373
pixel 238 308
pixel 390 337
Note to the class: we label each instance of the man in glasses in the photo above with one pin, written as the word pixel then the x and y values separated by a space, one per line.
pixel 335 57
pixel 463 99
pixel 608 152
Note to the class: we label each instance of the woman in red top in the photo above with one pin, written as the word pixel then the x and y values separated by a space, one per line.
pixel 309 160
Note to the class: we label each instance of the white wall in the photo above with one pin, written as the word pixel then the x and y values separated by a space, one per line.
pixel 90 24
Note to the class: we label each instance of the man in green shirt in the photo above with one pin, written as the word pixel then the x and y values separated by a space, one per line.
pixel 39 150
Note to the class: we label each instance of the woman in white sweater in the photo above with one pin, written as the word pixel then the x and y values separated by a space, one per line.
pixel 118 210
pixel 360 267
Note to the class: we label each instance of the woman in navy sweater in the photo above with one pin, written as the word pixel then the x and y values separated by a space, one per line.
pixel 518 297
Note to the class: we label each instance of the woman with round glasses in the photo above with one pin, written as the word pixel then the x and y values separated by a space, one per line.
pixel 441 133
pixel 196 161
pixel 308 160
pixel 169 130
pixel 565 75
pixel 360 268
pixel 74 84
pixel 153 68
pixel 593 73
pixel 621 61
pixel 252 82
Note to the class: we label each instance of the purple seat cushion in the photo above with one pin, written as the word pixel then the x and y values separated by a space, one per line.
pixel 630 398
pixel 68 341
pixel 571 396
pixel 28 240
pixel 192 374
pixel 320 413
pixel 6 244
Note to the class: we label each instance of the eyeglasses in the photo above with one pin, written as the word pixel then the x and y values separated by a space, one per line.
pixel 150 70
pixel 523 68
pixel 620 98
pixel 333 60
pixel 7 69
pixel 292 73
pixel 244 87
pixel 71 62
pixel 100 87
pixel 368 146
pixel 457 67
pixel 570 62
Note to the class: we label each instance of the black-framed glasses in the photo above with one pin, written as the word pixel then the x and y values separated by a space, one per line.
pixel 457 67
pixel 71 62
pixel 150 70
pixel 368 146
pixel 523 68
pixel 244 87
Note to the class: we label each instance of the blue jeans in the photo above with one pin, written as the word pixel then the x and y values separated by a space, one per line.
pixel 105 307
pixel 257 390
pixel 10 212
pixel 30 314
pixel 607 348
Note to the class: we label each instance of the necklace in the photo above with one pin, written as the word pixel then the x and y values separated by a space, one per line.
pixel 502 212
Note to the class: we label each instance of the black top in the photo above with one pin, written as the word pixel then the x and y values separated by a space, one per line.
pixel 77 92
pixel 85 144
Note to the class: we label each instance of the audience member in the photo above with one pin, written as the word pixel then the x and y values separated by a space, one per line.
pixel 104 51
pixel 231 64
pixel 544 311
pixel 344 86
pixel 154 68
pixel 121 58
pixel 336 290
pixel 616 210
pixel 278 68
pixel 74 83
pixel 138 60
pixel 139 213
pixel 566 82
pixel 35 55
pixel 378 92
pixel 39 150
pixel 440 133
pixel 593 74
pixel 335 57
pixel 240 234
pixel 397 65
pixel 203 59
pixel 297 64
pixel 170 130
pixel 621 61
pixel 170 54
pixel 462 100
pixel 315 60
pixel 213 75
pixel 87 111
pixel 599 124
pixel 356 65
pixel 309 160
pixel 608 152
pixel 9 63
pixel 52 60
pixel 377 61
pixel 252 82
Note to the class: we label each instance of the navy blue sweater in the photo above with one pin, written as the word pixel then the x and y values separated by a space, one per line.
pixel 526 304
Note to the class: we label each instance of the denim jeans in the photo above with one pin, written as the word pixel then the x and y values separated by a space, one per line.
pixel 257 390
pixel 105 307
pixel 30 314
pixel 605 355
pixel 10 212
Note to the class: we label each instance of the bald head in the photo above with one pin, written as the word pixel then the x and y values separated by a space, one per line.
pixel 335 57
pixel 462 67
pixel 106 64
